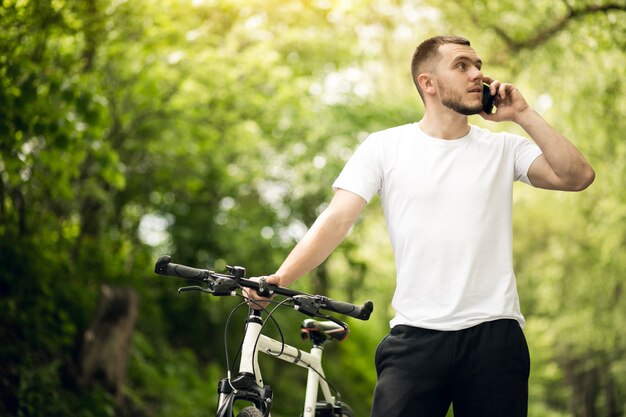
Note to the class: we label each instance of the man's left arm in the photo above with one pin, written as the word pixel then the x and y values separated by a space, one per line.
pixel 561 166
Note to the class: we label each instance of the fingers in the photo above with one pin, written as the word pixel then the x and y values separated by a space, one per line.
pixel 498 88
pixel 494 85
pixel 273 279
pixel 505 90
pixel 486 116
pixel 258 303
pixel 255 300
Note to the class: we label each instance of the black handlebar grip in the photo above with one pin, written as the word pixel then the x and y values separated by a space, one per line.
pixel 366 310
pixel 160 267
pixel 164 266
pixel 358 312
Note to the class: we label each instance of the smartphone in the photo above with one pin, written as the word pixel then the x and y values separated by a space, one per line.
pixel 488 99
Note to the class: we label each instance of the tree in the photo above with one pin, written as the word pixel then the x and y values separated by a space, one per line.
pixel 213 131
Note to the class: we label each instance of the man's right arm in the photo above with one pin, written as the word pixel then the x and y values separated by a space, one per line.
pixel 321 239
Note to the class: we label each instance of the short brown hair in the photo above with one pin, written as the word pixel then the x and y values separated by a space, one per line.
pixel 426 53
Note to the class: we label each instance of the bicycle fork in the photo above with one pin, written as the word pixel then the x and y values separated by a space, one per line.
pixel 248 385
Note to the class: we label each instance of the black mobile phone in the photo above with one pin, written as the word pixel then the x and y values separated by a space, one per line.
pixel 488 99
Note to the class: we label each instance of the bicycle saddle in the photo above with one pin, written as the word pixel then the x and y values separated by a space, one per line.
pixel 312 328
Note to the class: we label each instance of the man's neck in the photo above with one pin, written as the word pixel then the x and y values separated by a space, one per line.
pixel 444 123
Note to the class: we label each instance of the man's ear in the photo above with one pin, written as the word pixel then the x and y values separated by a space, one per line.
pixel 426 83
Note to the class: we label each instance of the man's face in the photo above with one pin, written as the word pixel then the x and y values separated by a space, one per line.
pixel 459 79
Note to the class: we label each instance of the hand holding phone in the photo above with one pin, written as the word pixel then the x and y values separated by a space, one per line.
pixel 488 99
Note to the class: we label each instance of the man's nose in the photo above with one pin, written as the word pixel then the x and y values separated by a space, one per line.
pixel 476 74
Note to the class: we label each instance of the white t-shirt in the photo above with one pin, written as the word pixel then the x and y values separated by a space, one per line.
pixel 448 207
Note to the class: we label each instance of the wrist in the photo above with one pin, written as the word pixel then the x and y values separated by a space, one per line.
pixel 525 117
pixel 279 278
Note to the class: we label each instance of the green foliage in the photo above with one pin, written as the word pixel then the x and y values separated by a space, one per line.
pixel 212 130
pixel 167 381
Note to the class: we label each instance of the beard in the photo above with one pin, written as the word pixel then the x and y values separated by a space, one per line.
pixel 453 101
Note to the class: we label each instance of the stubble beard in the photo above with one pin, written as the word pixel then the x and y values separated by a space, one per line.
pixel 452 100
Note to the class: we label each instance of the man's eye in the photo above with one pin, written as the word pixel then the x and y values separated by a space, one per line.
pixel 461 66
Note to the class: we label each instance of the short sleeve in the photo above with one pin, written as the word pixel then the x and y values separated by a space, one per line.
pixel 362 174
pixel 525 153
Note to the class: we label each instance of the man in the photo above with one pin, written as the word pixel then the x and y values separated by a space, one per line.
pixel 446 190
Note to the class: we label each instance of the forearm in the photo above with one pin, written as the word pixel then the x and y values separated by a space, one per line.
pixel 567 163
pixel 323 237
pixel 316 245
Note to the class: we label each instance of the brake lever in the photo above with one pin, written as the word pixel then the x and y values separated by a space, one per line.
pixel 306 305
pixel 224 286
pixel 194 288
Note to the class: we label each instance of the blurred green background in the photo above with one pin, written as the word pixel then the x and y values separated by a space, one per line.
pixel 212 130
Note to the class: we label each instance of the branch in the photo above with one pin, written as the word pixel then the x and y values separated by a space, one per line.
pixel 544 35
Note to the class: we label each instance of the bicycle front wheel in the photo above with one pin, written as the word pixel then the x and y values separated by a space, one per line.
pixel 250 412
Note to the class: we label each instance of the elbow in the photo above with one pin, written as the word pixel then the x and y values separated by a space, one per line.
pixel 585 179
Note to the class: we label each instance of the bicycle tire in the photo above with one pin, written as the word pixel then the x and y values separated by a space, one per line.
pixel 346 411
pixel 250 412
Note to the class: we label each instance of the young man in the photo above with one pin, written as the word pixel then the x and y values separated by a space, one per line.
pixel 446 190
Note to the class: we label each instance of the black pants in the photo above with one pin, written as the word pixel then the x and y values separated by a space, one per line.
pixel 482 371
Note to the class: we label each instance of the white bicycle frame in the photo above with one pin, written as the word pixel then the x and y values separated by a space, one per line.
pixel 255 342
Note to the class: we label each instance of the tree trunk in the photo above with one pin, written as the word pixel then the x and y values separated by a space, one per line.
pixel 105 346
pixel 584 382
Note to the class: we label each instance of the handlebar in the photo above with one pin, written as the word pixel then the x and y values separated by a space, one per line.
pixel 226 284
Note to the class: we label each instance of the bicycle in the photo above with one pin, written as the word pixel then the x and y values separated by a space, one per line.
pixel 248 385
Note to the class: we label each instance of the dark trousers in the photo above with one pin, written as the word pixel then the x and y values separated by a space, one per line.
pixel 482 371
